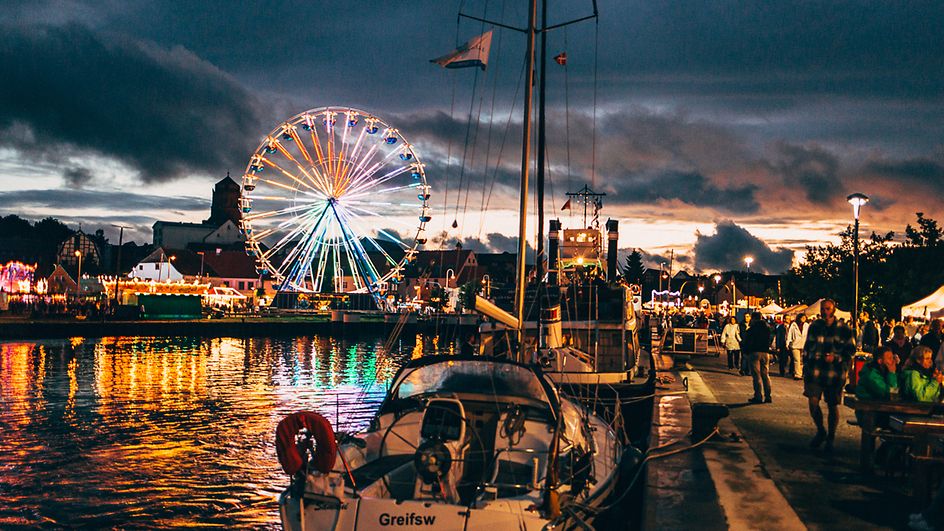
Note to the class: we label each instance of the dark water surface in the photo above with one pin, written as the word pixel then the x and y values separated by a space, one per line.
pixel 170 432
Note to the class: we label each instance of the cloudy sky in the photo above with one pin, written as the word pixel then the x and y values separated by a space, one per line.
pixel 717 129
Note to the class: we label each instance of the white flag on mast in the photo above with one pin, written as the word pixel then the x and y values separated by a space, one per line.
pixel 471 54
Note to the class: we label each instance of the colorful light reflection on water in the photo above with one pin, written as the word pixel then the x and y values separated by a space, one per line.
pixel 170 432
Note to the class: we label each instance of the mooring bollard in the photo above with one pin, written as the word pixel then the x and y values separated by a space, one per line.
pixel 705 417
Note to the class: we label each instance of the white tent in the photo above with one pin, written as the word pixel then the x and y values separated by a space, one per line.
pixel 814 310
pixel 794 310
pixel 926 308
pixel 771 309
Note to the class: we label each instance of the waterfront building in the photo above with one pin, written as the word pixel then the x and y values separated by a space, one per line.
pixel 220 230
pixel 168 264
pixel 91 254
pixel 233 269
pixel 225 269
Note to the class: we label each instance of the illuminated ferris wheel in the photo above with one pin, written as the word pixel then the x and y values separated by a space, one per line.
pixel 334 200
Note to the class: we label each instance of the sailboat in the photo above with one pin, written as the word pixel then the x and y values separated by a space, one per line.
pixel 459 442
pixel 613 379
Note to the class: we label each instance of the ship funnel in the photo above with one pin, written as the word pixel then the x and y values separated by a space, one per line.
pixel 553 252
pixel 612 236
pixel 551 326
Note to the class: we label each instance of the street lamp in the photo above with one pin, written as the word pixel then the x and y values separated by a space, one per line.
pixel 857 200
pixel 487 283
pixel 78 281
pixel 202 256
pixel 121 237
pixel 748 260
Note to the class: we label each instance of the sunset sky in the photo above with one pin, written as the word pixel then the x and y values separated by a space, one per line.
pixel 721 128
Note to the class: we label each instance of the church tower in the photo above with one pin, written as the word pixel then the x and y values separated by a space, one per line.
pixel 225 202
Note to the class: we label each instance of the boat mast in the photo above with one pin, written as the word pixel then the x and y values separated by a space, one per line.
pixel 525 166
pixel 539 255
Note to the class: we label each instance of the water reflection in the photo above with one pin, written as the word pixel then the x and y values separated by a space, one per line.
pixel 166 432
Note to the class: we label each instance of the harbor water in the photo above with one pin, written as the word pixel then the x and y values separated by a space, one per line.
pixel 161 432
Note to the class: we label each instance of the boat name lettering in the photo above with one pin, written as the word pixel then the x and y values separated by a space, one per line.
pixel 405 519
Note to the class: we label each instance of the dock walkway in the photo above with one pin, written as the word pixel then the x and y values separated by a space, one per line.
pixel 762 473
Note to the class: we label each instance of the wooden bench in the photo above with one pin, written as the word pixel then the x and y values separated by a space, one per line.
pixel 926 432
pixel 868 410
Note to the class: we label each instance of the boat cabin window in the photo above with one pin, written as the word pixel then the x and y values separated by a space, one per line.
pixel 481 377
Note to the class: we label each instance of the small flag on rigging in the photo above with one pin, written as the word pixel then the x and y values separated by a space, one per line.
pixel 561 58
pixel 566 205
pixel 471 54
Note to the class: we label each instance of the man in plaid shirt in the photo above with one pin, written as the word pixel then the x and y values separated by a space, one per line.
pixel 829 351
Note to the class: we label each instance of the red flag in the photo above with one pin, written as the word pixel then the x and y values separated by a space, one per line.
pixel 566 205
pixel 561 58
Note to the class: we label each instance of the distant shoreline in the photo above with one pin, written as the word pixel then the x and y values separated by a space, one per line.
pixel 13 329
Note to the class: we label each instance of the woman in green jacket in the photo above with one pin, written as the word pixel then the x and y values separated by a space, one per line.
pixel 920 381
pixel 878 377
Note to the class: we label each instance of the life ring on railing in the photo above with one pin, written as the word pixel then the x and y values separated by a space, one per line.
pixel 292 453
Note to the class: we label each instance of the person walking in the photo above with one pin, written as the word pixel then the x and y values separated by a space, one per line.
pixel 745 368
pixel 870 333
pixel 756 345
pixel 780 344
pixel 830 347
pixel 796 341
pixel 731 341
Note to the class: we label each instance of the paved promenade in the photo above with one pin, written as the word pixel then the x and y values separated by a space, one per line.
pixel 824 491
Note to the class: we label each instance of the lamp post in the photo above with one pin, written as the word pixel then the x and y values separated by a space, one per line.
pixel 78 279
pixel 121 236
pixel 748 260
pixel 857 200
pixel 202 256
pixel 487 283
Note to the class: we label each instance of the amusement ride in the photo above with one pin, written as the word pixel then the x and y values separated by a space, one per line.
pixel 319 196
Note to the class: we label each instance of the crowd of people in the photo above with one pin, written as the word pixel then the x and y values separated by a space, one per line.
pixel 907 363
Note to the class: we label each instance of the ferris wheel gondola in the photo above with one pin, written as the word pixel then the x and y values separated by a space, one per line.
pixel 325 199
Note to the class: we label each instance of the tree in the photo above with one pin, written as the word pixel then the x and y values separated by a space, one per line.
pixel 15 226
pixel 633 271
pixel 928 233
pixel 890 275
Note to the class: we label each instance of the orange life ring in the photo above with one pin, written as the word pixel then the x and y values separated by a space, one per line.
pixel 326 451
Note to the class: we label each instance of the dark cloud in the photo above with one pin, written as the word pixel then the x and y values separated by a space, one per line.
pixel 923 171
pixel 689 188
pixel 812 168
pixel 164 113
pixel 727 247
pixel 76 177
pixel 63 199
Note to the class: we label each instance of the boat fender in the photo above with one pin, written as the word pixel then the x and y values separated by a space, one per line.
pixel 292 454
